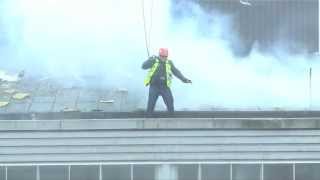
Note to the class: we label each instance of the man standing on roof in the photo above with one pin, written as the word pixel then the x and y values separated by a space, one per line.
pixel 159 78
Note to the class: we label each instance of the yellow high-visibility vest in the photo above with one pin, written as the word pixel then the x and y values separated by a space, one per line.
pixel 153 70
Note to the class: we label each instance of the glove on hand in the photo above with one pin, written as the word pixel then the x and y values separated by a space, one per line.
pixel 187 81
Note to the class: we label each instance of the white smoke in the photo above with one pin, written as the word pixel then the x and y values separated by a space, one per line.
pixel 278 80
pixel 82 37
pixel 105 38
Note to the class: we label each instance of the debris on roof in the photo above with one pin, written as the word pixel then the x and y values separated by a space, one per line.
pixel 20 96
pixel 10 91
pixel 68 109
pixel 107 101
pixel 3 104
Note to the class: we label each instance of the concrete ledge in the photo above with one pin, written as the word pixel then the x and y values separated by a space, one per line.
pixel 161 123
pixel 161 114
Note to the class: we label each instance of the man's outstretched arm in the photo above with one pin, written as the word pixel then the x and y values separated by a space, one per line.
pixel 179 75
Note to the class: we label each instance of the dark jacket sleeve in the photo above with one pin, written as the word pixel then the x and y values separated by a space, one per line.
pixel 148 63
pixel 177 73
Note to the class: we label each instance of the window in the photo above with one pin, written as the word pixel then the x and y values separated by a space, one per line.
pixel 54 172
pixel 2 173
pixel 278 172
pixel 307 171
pixel 116 172
pixel 188 172
pixel 246 172
pixel 84 172
pixel 143 172
pixel 22 173
pixel 215 172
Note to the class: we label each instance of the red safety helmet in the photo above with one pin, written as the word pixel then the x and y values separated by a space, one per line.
pixel 163 52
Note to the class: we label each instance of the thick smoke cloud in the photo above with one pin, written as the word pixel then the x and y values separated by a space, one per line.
pixel 101 43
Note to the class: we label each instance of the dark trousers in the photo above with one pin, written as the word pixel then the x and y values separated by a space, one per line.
pixel 154 92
